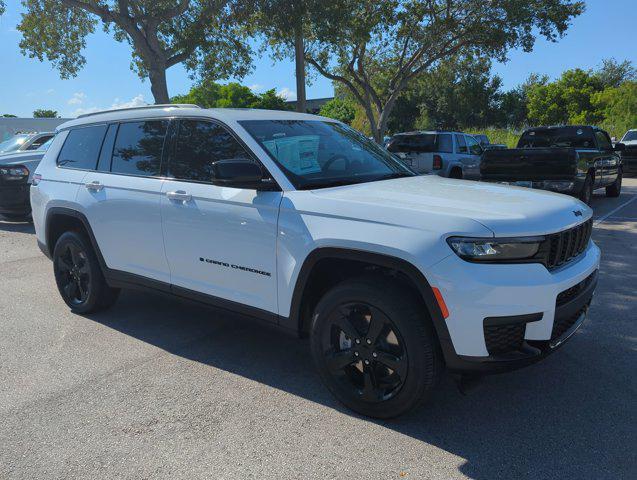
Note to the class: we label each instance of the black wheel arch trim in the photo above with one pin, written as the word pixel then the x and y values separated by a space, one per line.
pixel 294 320
pixel 69 212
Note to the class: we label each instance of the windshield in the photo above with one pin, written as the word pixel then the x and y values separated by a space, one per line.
pixel 564 137
pixel 630 135
pixel 13 144
pixel 318 154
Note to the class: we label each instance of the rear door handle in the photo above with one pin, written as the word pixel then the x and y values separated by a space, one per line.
pixel 94 186
pixel 179 196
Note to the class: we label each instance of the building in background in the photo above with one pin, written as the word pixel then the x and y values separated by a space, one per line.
pixel 312 105
pixel 9 126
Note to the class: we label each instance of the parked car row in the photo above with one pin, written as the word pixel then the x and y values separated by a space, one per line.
pixel 574 160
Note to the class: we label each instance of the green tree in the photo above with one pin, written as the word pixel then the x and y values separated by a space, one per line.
pixel 8 115
pixel 43 113
pixel 292 28
pixel 209 94
pixel 205 36
pixel 618 107
pixel 567 100
pixel 2 7
pixel 384 45
pixel 339 109
pixel 614 73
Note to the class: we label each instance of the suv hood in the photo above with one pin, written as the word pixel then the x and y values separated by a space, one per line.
pixel 457 206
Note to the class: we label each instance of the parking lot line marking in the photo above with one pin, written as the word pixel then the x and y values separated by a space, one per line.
pixel 612 212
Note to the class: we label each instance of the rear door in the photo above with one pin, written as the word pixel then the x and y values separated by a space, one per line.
pixel 220 241
pixel 471 162
pixel 122 198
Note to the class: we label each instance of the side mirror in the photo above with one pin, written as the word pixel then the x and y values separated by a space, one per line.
pixel 237 173
pixel 620 147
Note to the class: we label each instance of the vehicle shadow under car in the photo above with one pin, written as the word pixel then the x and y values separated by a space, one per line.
pixel 570 416
pixel 7 225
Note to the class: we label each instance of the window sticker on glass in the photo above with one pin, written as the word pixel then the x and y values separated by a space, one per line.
pixel 298 154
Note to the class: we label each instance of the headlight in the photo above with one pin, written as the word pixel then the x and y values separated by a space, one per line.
pixel 14 173
pixel 494 249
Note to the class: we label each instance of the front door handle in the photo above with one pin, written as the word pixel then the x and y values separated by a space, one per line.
pixel 179 196
pixel 94 186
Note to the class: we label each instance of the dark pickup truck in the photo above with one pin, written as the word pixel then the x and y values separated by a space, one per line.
pixel 568 159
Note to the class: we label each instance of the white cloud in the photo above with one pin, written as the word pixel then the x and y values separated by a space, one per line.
pixel 78 98
pixel 137 101
pixel 286 93
pixel 257 87
pixel 50 91
pixel 82 111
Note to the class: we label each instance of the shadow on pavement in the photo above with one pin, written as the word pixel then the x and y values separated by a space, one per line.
pixel 16 226
pixel 571 416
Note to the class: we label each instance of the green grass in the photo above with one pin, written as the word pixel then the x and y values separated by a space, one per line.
pixel 499 135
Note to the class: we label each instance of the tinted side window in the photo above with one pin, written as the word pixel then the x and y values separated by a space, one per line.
pixel 603 142
pixel 462 146
pixel 474 146
pixel 104 163
pixel 138 148
pixel 445 143
pixel 200 144
pixel 39 142
pixel 81 147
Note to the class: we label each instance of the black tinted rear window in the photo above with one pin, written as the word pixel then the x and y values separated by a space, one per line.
pixel 138 148
pixel 81 147
pixel 564 137
pixel 426 142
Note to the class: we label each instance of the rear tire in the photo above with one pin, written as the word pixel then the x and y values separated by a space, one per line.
pixel 374 346
pixel 615 189
pixel 586 194
pixel 455 173
pixel 78 275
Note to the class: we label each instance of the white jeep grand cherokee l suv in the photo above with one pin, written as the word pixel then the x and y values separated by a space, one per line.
pixel 301 221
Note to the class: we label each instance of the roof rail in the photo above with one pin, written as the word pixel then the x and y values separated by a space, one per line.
pixel 144 107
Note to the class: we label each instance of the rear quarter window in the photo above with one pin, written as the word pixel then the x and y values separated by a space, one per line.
pixel 82 147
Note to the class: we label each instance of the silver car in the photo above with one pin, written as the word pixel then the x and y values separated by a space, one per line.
pixel 23 142
pixel 448 154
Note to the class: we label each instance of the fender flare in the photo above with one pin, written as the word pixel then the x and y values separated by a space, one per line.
pixel 382 260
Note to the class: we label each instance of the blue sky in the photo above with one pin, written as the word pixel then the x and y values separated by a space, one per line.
pixel 607 29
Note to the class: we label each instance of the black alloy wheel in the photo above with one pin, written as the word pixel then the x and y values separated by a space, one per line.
pixel 364 352
pixel 374 346
pixel 78 275
pixel 74 274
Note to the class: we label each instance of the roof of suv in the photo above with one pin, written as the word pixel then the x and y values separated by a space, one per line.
pixel 168 111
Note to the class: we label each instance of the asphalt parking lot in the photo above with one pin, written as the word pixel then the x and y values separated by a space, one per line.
pixel 159 388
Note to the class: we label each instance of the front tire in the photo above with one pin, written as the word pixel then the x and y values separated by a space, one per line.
pixel 615 189
pixel 586 194
pixel 78 275
pixel 374 346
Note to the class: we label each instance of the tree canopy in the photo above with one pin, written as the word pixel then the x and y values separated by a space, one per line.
pixel 383 46
pixel 205 36
pixel 209 94
pixel 43 113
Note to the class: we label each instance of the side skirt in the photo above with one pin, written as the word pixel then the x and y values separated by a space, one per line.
pixel 119 279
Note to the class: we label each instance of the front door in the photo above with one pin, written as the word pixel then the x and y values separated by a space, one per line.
pixel 219 241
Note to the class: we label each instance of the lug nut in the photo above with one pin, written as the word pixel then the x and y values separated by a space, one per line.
pixel 369 342
pixel 366 362
pixel 374 354
pixel 358 340
pixel 356 354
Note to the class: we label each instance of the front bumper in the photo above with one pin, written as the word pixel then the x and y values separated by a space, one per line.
pixel 491 304
pixel 14 198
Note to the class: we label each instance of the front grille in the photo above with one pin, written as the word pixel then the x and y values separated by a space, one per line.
pixel 504 338
pixel 564 246
pixel 561 325
pixel 570 293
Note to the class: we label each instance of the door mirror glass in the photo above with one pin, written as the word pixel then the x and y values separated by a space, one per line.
pixel 238 173
pixel 620 147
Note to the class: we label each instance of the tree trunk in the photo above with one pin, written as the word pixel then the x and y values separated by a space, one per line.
pixel 158 85
pixel 299 57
